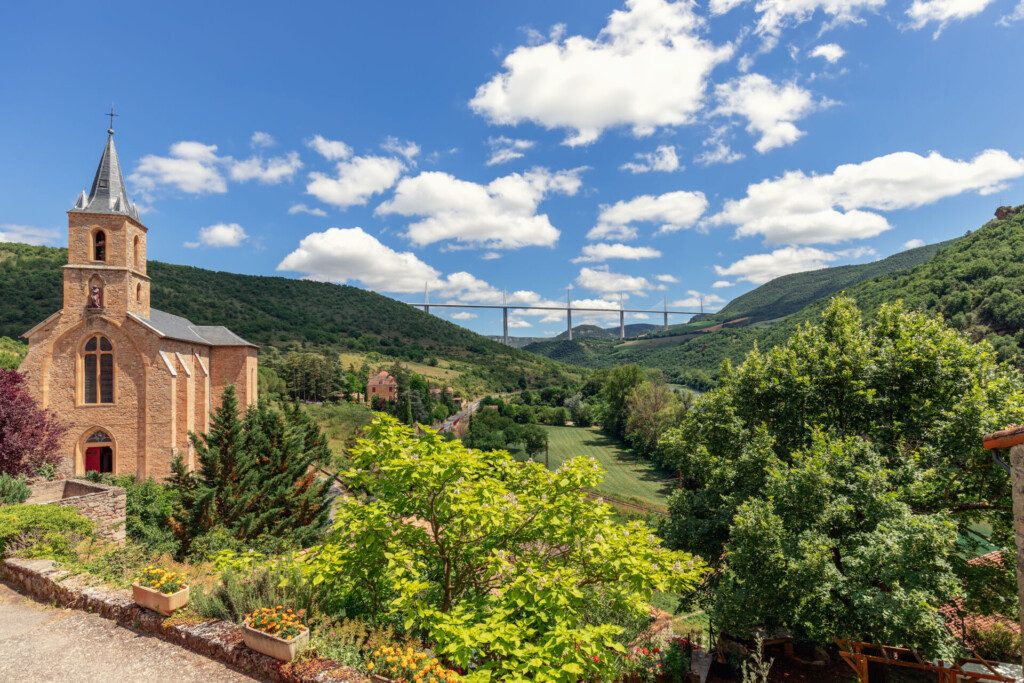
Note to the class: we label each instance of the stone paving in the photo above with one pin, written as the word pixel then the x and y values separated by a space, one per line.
pixel 40 643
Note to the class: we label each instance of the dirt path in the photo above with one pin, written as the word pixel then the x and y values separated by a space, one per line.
pixel 41 643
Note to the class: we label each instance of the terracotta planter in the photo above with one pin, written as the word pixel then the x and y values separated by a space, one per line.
pixel 1005 438
pixel 150 598
pixel 381 679
pixel 272 646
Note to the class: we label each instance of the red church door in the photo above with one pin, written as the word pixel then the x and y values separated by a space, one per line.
pixel 92 459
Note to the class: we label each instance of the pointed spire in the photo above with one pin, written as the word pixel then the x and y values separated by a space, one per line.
pixel 108 193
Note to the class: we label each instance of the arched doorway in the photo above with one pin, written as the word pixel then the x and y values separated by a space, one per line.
pixel 99 452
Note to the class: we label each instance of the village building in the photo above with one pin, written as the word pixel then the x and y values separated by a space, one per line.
pixel 382 384
pixel 130 380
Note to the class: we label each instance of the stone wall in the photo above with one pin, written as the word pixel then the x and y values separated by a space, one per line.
pixel 104 505
pixel 219 640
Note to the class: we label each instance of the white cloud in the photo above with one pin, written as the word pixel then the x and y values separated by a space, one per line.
pixel 770 109
pixel 267 171
pixel 1013 17
pixel 491 256
pixel 332 150
pixel 779 14
pixel 351 254
pixel 760 268
pixel 192 167
pixel 668 279
pixel 27 234
pixel 672 210
pixel 499 215
pixel 607 282
pixel 830 52
pixel 302 208
pixel 942 12
pixel 721 284
pixel 463 315
pixel 355 181
pixel 695 299
pixel 261 140
pixel 664 158
pixel 595 253
pixel 806 209
pixel 646 69
pixel 220 235
pixel 913 244
pixel 717 150
pixel 518 323
pixel 505 149
pixel 403 148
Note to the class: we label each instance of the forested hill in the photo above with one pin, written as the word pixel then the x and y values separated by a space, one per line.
pixel 280 312
pixel 975 281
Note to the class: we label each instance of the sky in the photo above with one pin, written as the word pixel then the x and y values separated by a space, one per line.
pixel 644 152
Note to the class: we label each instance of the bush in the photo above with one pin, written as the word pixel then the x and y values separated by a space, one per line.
pixel 49 531
pixel 13 490
pixel 148 507
pixel 240 592
pixel 997 642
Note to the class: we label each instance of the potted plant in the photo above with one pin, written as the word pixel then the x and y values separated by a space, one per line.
pixel 276 632
pixel 160 590
pixel 397 663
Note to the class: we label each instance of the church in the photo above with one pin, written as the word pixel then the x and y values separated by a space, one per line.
pixel 131 381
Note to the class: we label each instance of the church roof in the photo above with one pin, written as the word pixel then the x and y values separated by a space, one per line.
pixel 108 194
pixel 175 327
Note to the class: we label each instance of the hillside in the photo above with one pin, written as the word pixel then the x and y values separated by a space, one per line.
pixel 976 282
pixel 581 332
pixel 283 313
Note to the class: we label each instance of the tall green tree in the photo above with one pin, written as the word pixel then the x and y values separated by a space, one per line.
pixel 838 468
pixel 617 385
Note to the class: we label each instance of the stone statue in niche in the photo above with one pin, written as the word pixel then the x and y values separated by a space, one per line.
pixel 95 297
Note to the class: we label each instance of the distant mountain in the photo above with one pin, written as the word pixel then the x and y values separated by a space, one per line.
pixel 581 332
pixel 283 313
pixel 975 281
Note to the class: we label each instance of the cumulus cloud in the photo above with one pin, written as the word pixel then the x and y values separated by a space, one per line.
pixel 760 268
pixel 717 149
pixel 805 209
pixel 220 235
pixel 1013 17
pixel 463 315
pixel 771 109
pixel 943 12
pixel 353 255
pixel 27 234
pixel 407 149
pixel 664 158
pixel 672 211
pixel 355 180
pixel 695 299
pixel 721 284
pixel 332 150
pixel 499 215
pixel 830 52
pixel 913 244
pixel 777 15
pixel 647 68
pixel 505 149
pixel 267 171
pixel 302 208
pixel 667 279
pixel 596 253
pixel 607 282
pixel 261 140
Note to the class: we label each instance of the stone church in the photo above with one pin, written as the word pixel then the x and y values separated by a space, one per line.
pixel 131 380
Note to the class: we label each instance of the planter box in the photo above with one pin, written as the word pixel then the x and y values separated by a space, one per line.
pixel 272 646
pixel 150 598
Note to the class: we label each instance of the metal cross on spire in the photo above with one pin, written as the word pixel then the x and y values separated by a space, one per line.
pixel 111 114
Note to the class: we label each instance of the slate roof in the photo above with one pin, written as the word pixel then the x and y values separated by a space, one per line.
pixel 108 194
pixel 175 327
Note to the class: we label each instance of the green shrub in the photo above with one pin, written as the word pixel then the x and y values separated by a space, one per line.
pixel 49 531
pixel 148 507
pixel 119 566
pixel 239 592
pixel 13 490
pixel 997 642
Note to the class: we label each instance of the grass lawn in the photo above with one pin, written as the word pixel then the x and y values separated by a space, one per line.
pixel 340 421
pixel 626 476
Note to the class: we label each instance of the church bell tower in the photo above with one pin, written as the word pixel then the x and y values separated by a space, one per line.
pixel 106 270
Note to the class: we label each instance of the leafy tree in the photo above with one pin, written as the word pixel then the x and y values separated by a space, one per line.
pixel 30 437
pixel 12 352
pixel 617 385
pixel 651 408
pixel 497 562
pixel 831 474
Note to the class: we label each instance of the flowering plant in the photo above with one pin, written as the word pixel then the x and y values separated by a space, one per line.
pixel 644 662
pixel 277 621
pixel 408 664
pixel 166 582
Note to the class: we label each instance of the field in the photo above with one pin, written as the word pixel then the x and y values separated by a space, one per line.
pixel 626 476
pixel 340 422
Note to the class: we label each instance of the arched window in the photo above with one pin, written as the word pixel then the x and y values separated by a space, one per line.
pixel 135 249
pixel 98 370
pixel 99 246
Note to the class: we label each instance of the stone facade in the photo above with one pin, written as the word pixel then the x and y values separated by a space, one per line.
pixel 383 385
pixel 163 375
pixel 104 505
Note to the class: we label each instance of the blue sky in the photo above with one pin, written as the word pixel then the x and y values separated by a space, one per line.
pixel 648 148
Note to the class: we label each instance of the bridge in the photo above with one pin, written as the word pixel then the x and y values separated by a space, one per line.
pixel 568 308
